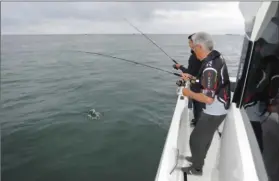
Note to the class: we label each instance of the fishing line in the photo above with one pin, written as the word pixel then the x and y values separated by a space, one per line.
pixel 127 60
pixel 151 40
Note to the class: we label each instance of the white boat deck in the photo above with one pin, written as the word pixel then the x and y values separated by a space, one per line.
pixel 233 157
pixel 210 161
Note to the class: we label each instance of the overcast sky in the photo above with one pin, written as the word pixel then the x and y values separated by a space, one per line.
pixel 107 17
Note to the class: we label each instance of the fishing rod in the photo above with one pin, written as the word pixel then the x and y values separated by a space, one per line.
pixel 131 61
pixel 151 41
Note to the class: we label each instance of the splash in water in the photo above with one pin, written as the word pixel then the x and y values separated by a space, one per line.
pixel 92 114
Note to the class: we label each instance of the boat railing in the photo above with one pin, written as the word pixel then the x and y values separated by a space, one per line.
pixel 169 159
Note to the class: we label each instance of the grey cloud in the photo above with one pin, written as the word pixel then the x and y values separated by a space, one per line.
pixel 25 16
pixel 32 13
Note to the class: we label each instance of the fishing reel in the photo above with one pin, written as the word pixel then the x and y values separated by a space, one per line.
pixel 181 83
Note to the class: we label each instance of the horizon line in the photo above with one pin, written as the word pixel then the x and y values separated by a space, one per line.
pixel 3 34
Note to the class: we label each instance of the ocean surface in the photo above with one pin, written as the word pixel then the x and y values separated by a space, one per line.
pixel 48 88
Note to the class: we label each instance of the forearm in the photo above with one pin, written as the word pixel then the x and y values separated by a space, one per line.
pixel 200 97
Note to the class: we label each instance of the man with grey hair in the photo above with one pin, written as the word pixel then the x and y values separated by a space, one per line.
pixel 215 93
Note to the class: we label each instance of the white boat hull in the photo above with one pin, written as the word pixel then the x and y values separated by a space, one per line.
pixel 233 157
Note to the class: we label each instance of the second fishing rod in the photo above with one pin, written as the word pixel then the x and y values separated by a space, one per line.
pixel 179 82
pixel 148 38
pixel 128 60
pixel 145 65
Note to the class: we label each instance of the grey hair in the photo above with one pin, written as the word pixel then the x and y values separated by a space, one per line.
pixel 204 39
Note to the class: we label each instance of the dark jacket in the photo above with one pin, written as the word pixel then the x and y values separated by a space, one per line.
pixel 214 78
pixel 193 65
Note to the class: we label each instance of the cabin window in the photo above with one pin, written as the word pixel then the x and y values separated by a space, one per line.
pixel 266 45
pixel 247 48
pixel 264 49
pixel 261 92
